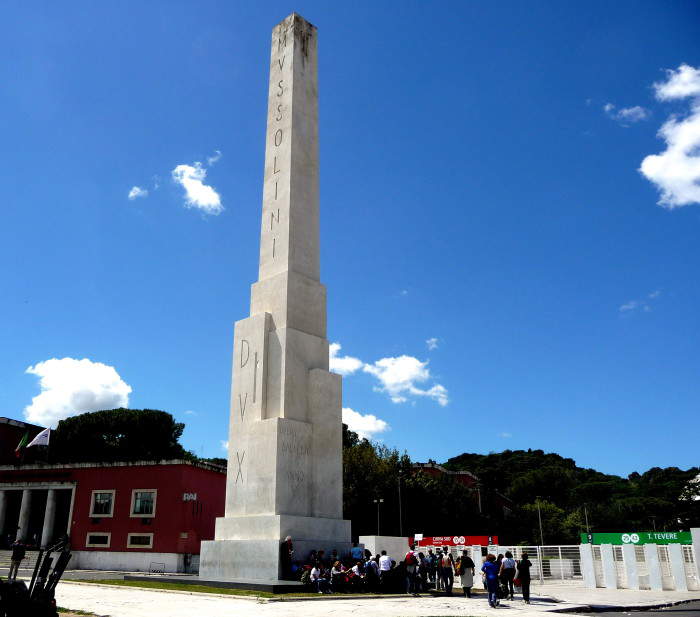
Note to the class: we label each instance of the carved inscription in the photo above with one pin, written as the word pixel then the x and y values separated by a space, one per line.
pixel 239 473
pixel 245 352
pixel 278 135
pixel 295 477
pixel 242 401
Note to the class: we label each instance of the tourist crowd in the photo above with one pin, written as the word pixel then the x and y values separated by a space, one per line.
pixel 416 573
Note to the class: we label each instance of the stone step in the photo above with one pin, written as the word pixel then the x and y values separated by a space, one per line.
pixel 28 562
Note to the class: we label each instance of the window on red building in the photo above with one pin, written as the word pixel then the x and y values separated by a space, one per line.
pixel 143 502
pixel 101 540
pixel 139 540
pixel 102 503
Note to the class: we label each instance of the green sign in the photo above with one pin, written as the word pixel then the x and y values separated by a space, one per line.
pixel 638 537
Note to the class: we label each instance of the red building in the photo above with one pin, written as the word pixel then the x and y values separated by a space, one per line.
pixel 123 516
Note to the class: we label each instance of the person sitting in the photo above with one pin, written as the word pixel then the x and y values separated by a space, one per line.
pixel 338 577
pixel 317 579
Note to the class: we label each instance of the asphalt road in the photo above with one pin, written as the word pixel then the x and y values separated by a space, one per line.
pixel 689 609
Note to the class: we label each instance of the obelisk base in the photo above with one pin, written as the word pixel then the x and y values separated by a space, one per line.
pixel 248 547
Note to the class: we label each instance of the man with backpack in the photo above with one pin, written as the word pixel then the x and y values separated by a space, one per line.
pixel 411 563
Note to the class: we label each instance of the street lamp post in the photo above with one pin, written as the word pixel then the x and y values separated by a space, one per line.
pixel 585 511
pixel 539 516
pixel 378 502
pixel 400 513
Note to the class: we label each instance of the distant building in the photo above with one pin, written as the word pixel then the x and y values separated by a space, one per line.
pixel 138 516
pixel 487 499
pixel 467 478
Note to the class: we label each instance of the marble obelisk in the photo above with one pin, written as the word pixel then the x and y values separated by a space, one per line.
pixel 285 434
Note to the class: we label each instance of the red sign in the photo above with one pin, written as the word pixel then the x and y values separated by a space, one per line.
pixel 458 541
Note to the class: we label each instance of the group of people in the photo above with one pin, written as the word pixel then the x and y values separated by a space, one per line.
pixel 503 573
pixel 416 573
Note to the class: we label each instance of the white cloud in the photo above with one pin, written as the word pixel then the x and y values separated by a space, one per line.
pixel 189 412
pixel 224 444
pixel 398 378
pixel 629 306
pixel 136 192
pixel 214 158
pixel 343 365
pixel 197 194
pixel 432 343
pixel 366 426
pixel 681 83
pixel 644 305
pixel 70 387
pixel 676 171
pixel 626 115
pixel 505 435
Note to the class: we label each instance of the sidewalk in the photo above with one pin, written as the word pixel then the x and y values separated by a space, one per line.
pixel 134 602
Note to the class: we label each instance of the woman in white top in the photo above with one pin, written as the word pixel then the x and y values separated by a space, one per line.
pixel 507 572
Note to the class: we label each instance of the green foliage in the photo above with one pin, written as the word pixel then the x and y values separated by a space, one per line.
pixel 665 498
pixel 658 497
pixel 429 505
pixel 118 435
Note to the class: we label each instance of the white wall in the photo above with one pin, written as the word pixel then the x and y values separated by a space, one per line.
pixel 132 561
pixel 395 546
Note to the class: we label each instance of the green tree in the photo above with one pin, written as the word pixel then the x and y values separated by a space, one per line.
pixel 118 435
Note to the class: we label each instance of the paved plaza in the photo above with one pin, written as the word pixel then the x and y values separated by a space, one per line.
pixel 133 602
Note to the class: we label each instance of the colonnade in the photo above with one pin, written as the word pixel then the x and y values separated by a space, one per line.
pixel 25 511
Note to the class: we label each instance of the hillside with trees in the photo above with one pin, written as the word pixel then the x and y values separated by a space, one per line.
pixel 665 499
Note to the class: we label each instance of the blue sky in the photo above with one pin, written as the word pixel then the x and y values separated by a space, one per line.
pixel 480 186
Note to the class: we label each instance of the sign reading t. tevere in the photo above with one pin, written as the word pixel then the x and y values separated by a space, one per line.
pixel 638 537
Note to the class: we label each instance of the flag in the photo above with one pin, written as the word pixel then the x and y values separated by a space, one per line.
pixel 42 439
pixel 22 444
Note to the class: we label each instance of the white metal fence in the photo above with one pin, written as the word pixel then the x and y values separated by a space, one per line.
pixel 562 563
pixel 549 563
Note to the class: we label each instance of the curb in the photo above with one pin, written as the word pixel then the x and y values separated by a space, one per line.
pixel 608 608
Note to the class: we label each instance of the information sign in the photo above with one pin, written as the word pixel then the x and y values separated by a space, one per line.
pixel 638 537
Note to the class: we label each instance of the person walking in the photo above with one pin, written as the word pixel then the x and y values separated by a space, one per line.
pixel 438 570
pixel 447 568
pixel 411 563
pixel 18 553
pixel 490 570
pixel 465 570
pixel 507 574
pixel 522 573
pixel 432 567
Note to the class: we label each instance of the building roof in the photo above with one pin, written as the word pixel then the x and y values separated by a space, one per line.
pixel 441 469
pixel 47 466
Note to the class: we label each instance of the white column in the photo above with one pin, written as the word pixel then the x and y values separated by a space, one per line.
pixel 23 524
pixel 49 517
pixel 651 555
pixel 476 557
pixel 587 567
pixel 630 558
pixel 609 570
pixel 3 509
pixel 695 535
pixel 675 555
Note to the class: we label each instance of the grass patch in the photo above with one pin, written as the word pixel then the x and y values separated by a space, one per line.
pixel 70 612
pixel 194 588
